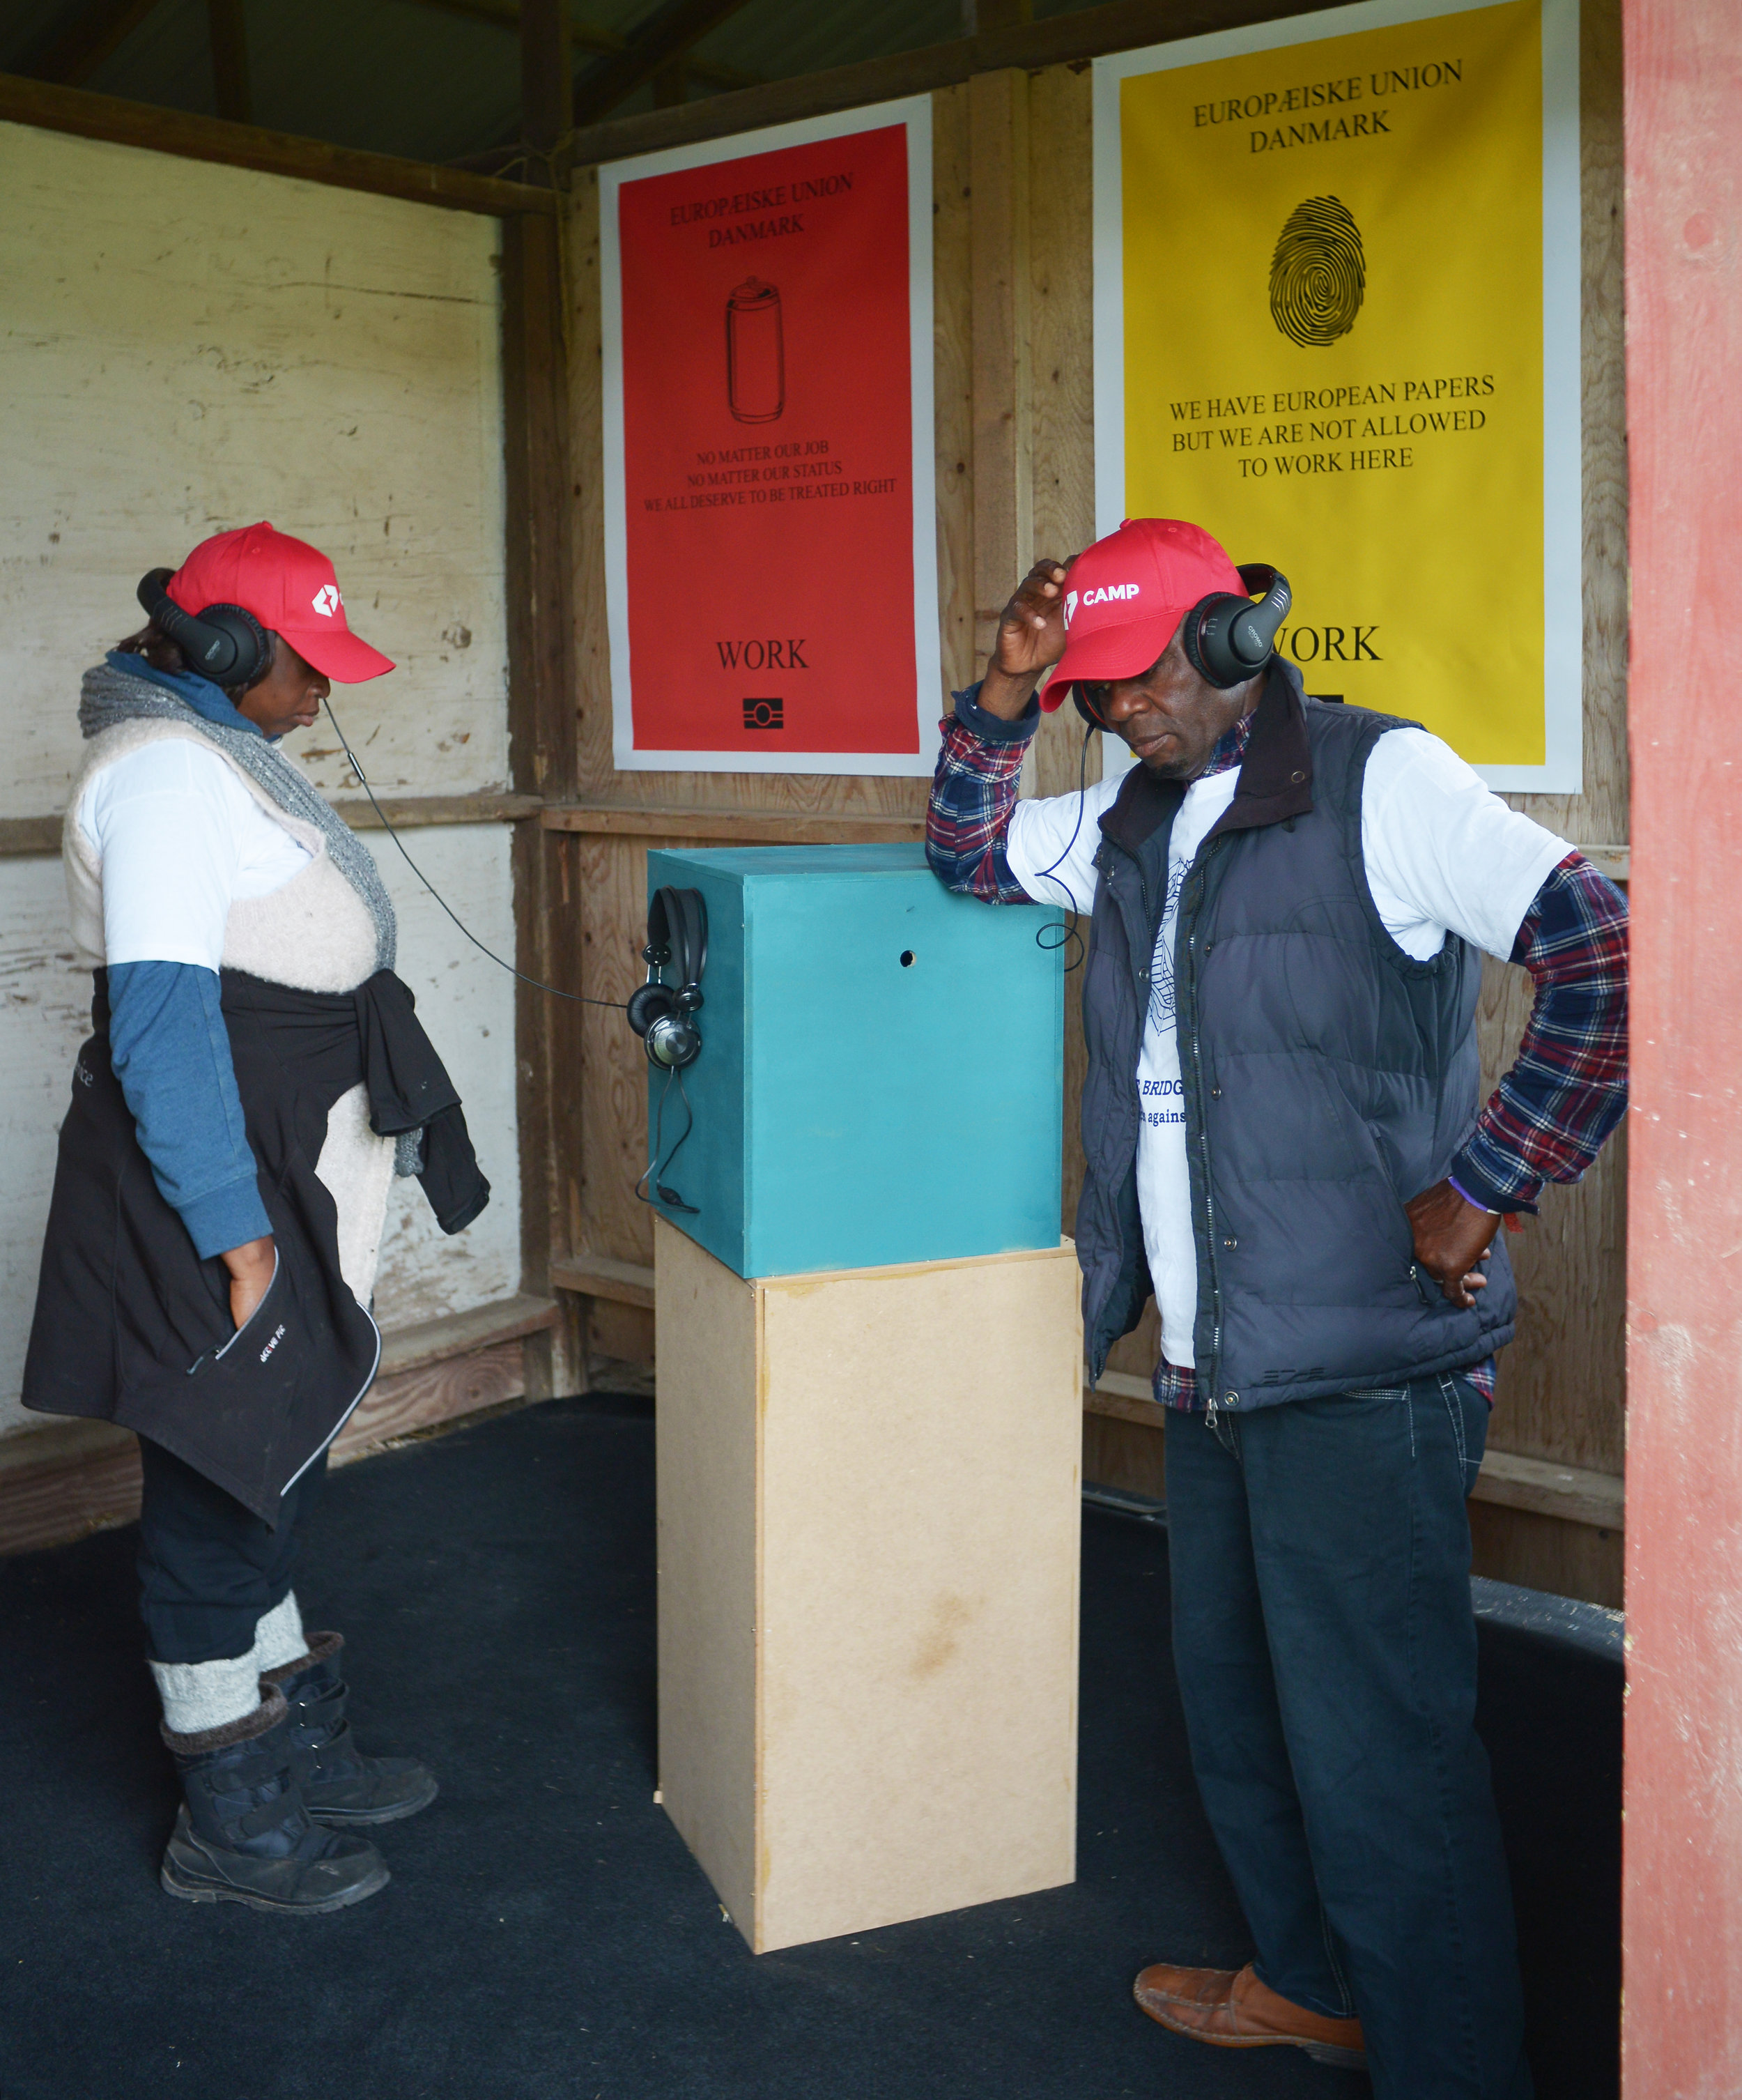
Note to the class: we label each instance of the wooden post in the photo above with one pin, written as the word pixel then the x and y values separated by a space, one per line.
pixel 1682 2027
pixel 1003 416
pixel 227 27
pixel 547 84
pixel 541 757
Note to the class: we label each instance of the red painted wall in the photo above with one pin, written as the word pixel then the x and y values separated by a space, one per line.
pixel 1682 1919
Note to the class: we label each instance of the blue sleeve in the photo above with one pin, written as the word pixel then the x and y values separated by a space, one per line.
pixel 170 1051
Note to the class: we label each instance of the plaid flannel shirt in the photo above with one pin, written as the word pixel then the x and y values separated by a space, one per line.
pixel 1547 1119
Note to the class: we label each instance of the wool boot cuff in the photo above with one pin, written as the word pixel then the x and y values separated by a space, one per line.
pixel 278 1636
pixel 269 1711
pixel 321 1648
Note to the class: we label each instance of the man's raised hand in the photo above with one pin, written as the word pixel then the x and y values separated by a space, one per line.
pixel 1030 639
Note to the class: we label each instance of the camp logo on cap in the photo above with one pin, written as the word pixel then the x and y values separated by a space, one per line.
pixel 1125 597
pixel 288 586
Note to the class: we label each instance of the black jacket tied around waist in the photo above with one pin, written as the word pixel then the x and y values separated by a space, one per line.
pixel 131 1326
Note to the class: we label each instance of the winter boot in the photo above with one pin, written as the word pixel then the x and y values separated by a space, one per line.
pixel 340 1787
pixel 243 1834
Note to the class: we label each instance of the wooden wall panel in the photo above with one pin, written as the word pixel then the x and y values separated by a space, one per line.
pixel 1562 1382
pixel 1003 403
pixel 1014 390
pixel 1061 365
pixel 1547 1553
pixel 601 895
pixel 541 754
pixel 191 346
pixel 1561 1386
pixel 613 878
pixel 1124 1455
pixel 953 384
pixel 468 1005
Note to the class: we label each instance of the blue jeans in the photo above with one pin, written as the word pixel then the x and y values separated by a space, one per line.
pixel 1326 1652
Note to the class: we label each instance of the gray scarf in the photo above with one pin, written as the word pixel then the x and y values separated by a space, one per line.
pixel 108 697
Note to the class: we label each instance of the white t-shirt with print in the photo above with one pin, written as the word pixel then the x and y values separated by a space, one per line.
pixel 1444 855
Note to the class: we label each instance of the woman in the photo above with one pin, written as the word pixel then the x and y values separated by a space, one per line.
pixel 255 1075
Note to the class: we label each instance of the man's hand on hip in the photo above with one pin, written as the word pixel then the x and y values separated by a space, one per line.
pixel 1451 1237
pixel 1030 640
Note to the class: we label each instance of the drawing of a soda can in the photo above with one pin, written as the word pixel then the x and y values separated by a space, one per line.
pixel 756 357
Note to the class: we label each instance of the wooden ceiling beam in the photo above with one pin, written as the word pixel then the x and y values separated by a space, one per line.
pixel 70 58
pixel 1062 40
pixel 546 77
pixel 588 37
pixel 228 30
pixel 647 50
pixel 88 116
pixel 505 15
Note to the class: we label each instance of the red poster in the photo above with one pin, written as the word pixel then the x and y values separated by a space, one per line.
pixel 762 411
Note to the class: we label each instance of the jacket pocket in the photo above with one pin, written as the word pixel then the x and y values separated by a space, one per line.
pixel 270 1300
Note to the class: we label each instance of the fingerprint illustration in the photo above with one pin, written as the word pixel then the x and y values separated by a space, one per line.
pixel 1318 276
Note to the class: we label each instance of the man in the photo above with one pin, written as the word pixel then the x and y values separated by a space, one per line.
pixel 1282 1142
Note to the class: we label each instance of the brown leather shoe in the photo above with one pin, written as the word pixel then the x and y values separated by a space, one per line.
pixel 1235 2010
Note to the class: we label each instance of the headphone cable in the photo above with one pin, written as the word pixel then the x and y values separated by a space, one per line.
pixel 1071 932
pixel 617 1005
pixel 669 1197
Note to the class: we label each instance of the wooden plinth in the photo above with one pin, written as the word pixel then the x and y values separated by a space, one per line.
pixel 869 1507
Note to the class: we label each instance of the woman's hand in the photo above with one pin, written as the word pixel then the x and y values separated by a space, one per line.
pixel 1030 640
pixel 251 1266
pixel 1450 1238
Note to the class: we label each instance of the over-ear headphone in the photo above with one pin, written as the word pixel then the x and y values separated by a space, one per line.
pixel 1228 639
pixel 662 1014
pixel 225 643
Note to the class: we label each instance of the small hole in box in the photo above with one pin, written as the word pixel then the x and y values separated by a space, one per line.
pixel 907 959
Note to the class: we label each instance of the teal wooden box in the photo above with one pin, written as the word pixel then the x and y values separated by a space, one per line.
pixel 852 1110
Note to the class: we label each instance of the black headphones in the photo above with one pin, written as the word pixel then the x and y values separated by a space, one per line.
pixel 1228 639
pixel 226 643
pixel 661 1013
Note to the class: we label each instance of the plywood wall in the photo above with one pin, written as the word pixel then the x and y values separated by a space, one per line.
pixel 1015 437
pixel 604 877
pixel 188 347
pixel 1561 1392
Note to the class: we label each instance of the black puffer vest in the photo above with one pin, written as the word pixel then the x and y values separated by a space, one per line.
pixel 1328 1076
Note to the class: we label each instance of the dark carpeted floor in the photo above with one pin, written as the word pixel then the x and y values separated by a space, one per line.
pixel 547 1937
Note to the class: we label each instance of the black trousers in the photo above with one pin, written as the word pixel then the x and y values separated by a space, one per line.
pixel 210 1568
pixel 1326 1652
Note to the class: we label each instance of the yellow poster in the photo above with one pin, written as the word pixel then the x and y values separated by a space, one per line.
pixel 1346 343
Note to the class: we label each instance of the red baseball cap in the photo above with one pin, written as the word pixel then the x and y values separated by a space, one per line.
pixel 289 587
pixel 1126 595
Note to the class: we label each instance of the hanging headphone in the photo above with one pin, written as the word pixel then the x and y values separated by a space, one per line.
pixel 225 643
pixel 662 1014
pixel 1227 639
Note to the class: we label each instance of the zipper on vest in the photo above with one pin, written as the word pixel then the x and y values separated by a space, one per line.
pixel 1193 897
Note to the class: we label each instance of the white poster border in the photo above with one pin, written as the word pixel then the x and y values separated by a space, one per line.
pixel 1562 772
pixel 915 112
